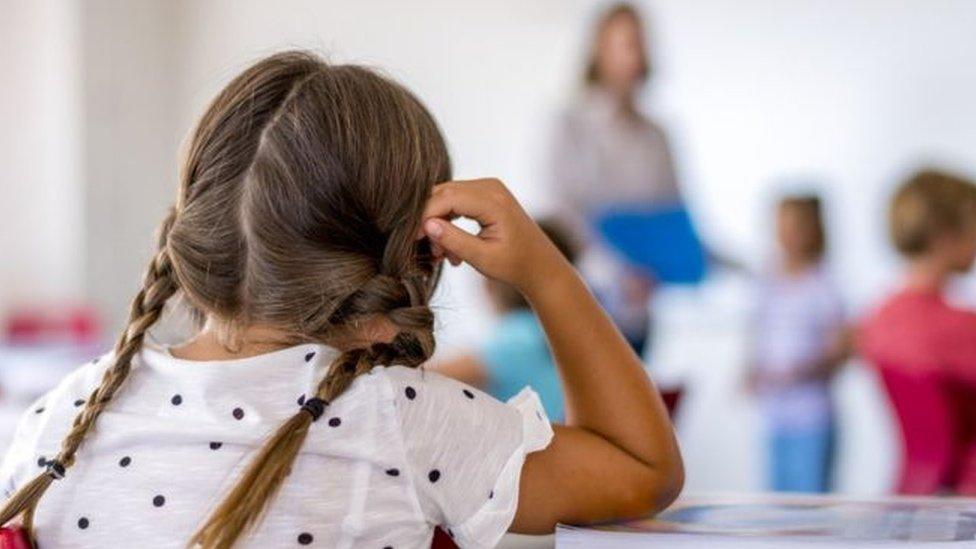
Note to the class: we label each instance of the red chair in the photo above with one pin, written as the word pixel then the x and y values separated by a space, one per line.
pixel 14 537
pixel 672 398
pixel 937 419
pixel 440 541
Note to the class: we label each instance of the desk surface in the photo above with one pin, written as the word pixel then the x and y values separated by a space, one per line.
pixel 791 520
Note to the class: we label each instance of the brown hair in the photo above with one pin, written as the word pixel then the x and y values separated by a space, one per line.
pixel 810 207
pixel 591 75
pixel 301 194
pixel 930 203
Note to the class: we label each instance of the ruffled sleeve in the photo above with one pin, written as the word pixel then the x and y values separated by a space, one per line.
pixel 489 523
pixel 465 452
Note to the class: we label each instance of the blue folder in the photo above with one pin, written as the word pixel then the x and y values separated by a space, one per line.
pixel 660 240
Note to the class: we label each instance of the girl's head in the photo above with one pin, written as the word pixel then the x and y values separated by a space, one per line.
pixel 300 198
pixel 618 57
pixel 933 216
pixel 800 229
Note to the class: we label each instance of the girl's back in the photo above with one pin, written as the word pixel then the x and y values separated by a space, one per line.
pixel 383 465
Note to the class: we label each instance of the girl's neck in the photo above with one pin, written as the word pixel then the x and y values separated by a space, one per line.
pixel 927 275
pixel 212 343
pixel 209 344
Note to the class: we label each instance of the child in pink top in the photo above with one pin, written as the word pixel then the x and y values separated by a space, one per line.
pixel 933 225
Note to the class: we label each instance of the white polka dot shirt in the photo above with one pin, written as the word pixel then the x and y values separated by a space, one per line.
pixel 402 451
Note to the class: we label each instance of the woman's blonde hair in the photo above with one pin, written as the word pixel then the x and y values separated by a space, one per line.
pixel 300 197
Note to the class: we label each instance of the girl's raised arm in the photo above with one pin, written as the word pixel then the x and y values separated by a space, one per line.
pixel 617 455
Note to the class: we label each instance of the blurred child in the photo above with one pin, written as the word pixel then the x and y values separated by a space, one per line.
pixel 932 221
pixel 800 342
pixel 516 354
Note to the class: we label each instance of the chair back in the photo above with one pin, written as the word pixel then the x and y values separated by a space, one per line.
pixel 441 540
pixel 14 537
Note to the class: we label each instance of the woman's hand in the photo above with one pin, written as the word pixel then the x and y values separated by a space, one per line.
pixel 510 247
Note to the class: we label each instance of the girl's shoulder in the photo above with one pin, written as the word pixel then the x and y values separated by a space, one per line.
pixel 69 394
pixel 465 449
pixel 45 422
pixel 419 392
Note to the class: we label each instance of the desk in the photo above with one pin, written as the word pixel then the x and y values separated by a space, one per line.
pixel 783 521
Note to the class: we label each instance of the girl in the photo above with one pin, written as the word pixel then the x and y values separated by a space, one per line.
pixel 800 342
pixel 308 236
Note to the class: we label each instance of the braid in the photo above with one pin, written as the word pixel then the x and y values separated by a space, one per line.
pixel 158 286
pixel 403 302
pixel 244 505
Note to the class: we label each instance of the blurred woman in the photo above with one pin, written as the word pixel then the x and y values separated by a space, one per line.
pixel 606 153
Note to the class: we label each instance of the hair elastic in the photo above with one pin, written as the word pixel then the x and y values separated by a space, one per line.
pixel 315 407
pixel 55 469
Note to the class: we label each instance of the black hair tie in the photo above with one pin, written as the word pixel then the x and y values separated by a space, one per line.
pixel 55 469
pixel 315 407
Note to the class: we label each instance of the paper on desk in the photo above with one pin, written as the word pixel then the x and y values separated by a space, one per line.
pixel 790 521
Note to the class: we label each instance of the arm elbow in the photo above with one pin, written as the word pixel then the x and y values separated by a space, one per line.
pixel 673 485
pixel 663 486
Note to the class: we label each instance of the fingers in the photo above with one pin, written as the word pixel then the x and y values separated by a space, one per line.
pixel 439 253
pixel 476 199
pixel 457 244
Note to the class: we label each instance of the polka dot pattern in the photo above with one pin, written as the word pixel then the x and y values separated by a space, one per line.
pixel 424 399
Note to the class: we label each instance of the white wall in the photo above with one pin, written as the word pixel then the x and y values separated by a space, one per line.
pixel 130 142
pixel 40 244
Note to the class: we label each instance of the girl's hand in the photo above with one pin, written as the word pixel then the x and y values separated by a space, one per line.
pixel 617 446
pixel 510 247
